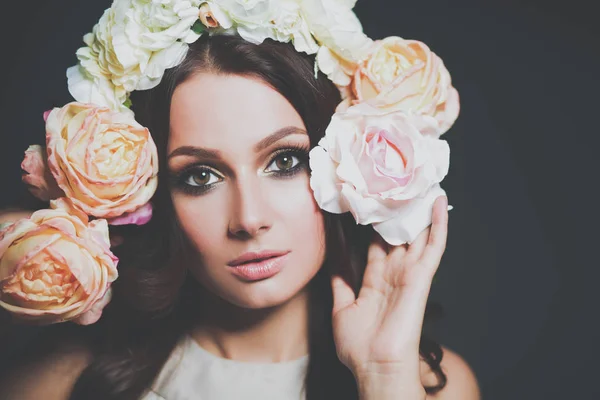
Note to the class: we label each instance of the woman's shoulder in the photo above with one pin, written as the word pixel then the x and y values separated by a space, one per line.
pixel 462 382
pixel 51 376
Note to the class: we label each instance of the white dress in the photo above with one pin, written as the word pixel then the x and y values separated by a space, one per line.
pixel 194 373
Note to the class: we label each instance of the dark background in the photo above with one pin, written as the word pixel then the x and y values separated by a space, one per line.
pixel 519 277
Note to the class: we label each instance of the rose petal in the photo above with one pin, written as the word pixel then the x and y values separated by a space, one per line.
pixel 37 174
pixel 141 216
pixel 97 91
pixel 105 162
pixel 54 266
pixel 46 113
pixel 93 315
pixel 409 220
pixel 323 181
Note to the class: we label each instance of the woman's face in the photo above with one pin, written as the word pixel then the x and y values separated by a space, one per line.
pixel 238 158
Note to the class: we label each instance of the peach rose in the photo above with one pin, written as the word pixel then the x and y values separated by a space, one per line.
pixel 384 167
pixel 56 266
pixel 103 160
pixel 406 75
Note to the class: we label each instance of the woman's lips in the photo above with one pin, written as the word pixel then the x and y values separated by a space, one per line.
pixel 259 269
pixel 252 256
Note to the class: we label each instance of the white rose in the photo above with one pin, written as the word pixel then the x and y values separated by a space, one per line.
pixel 99 77
pixel 290 26
pixel 339 71
pixel 383 167
pixel 338 30
pixel 129 49
pixel 156 24
pixel 250 17
pixel 152 35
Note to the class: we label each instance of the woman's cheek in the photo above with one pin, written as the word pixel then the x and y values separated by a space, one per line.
pixel 302 214
pixel 198 218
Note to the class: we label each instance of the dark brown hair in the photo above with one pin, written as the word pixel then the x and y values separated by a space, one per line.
pixel 153 303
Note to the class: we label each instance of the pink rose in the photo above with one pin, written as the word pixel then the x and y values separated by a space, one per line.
pixel 383 167
pixel 103 160
pixel 56 266
pixel 141 216
pixel 406 75
pixel 37 176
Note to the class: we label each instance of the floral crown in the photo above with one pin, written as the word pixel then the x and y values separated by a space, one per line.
pixel 381 158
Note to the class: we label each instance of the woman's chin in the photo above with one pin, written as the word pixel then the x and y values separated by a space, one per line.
pixel 263 296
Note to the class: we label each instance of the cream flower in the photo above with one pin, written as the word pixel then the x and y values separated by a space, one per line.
pixel 406 75
pixel 249 18
pixel 337 29
pixel 103 160
pixel 257 20
pixel 100 78
pixel 288 25
pixel 153 35
pixel 56 266
pixel 338 70
pixel 383 167
pixel 130 48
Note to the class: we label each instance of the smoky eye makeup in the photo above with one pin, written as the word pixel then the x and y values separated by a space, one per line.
pixel 194 179
pixel 288 161
pixel 200 178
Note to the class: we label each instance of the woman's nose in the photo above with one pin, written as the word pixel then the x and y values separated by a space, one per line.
pixel 250 214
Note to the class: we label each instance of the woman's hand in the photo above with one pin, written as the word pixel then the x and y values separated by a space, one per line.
pixel 377 335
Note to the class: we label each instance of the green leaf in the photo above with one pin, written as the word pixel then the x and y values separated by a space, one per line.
pixel 198 27
pixel 128 103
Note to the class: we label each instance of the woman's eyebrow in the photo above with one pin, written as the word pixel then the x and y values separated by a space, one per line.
pixel 199 152
pixel 196 152
pixel 277 136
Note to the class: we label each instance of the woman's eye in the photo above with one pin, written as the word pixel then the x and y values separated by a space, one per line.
pixel 201 178
pixel 284 162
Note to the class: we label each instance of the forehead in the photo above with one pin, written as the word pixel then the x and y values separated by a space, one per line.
pixel 220 111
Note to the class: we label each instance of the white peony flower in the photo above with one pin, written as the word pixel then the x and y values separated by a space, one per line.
pixel 383 167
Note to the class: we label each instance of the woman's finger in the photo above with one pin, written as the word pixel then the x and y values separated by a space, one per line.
pixel 398 254
pixel 376 264
pixel 343 295
pixel 378 249
pixel 436 244
pixel 416 248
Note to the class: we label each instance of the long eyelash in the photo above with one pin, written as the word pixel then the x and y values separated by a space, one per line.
pixel 178 179
pixel 299 151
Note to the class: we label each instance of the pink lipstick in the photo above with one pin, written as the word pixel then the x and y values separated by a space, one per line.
pixel 253 266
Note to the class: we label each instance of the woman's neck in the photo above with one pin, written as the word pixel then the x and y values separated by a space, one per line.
pixel 276 334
